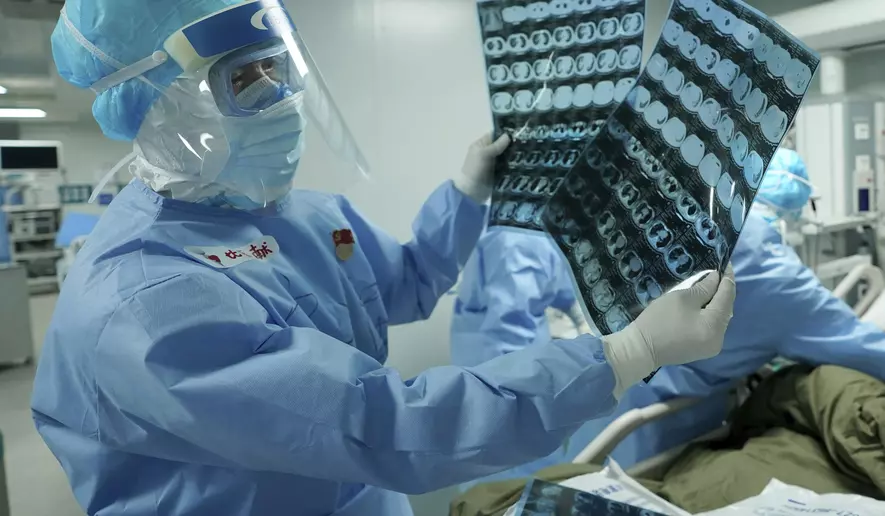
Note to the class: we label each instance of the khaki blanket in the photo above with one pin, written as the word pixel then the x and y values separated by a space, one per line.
pixel 822 429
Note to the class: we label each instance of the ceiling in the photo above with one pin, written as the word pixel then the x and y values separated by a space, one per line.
pixel 26 68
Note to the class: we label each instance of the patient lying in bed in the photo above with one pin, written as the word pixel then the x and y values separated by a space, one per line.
pixel 820 429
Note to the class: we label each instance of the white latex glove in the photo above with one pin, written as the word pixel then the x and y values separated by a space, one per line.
pixel 477 176
pixel 680 327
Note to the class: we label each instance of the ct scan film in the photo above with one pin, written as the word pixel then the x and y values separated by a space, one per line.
pixel 542 498
pixel 555 72
pixel 661 193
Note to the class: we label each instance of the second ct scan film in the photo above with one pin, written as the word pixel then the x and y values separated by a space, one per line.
pixel 662 192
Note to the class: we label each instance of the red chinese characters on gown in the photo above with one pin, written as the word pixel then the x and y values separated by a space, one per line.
pixel 260 252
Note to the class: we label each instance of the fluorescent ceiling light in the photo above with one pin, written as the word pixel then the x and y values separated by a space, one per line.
pixel 22 113
pixel 3 90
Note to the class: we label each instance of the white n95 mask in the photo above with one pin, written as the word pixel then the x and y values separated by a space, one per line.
pixel 264 153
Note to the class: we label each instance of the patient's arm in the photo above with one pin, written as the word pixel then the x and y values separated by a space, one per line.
pixel 822 328
pixel 783 309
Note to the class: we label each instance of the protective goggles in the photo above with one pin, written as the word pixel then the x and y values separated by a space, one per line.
pixel 252 79
pixel 250 57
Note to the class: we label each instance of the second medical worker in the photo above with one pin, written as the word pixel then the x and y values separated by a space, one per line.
pixel 218 346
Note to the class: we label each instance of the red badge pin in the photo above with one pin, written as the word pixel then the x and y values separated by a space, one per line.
pixel 344 242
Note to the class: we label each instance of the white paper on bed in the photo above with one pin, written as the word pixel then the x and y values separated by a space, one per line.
pixel 779 499
pixel 612 483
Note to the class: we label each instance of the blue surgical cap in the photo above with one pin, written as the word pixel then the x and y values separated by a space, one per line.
pixel 98 37
pixel 785 187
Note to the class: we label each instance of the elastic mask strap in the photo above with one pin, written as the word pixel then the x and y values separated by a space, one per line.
pixel 107 177
pixel 795 177
pixel 130 72
pixel 776 188
pixel 85 43
pixel 792 176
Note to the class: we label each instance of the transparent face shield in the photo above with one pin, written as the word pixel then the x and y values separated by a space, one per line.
pixel 233 127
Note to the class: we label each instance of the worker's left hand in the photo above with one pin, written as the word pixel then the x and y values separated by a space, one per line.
pixel 678 328
pixel 477 176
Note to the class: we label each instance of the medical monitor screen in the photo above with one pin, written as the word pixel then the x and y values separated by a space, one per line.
pixel 28 158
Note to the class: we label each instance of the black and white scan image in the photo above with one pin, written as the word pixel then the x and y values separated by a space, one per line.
pixel 542 498
pixel 556 71
pixel 661 193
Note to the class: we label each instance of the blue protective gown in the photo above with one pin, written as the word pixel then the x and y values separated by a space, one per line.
pixel 507 285
pixel 781 310
pixel 168 385
pixel 505 290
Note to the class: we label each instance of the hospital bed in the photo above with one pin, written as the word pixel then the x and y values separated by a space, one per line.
pixel 870 307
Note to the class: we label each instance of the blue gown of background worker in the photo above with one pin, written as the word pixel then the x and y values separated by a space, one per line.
pixel 184 372
pixel 506 288
pixel 505 291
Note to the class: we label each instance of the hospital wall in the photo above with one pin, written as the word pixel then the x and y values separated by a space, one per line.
pixel 409 78
pixel 865 71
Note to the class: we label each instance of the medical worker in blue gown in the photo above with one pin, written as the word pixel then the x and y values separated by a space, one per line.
pixel 507 287
pixel 782 310
pixel 218 346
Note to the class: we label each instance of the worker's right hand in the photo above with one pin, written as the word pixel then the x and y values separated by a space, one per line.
pixel 477 176
pixel 680 327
